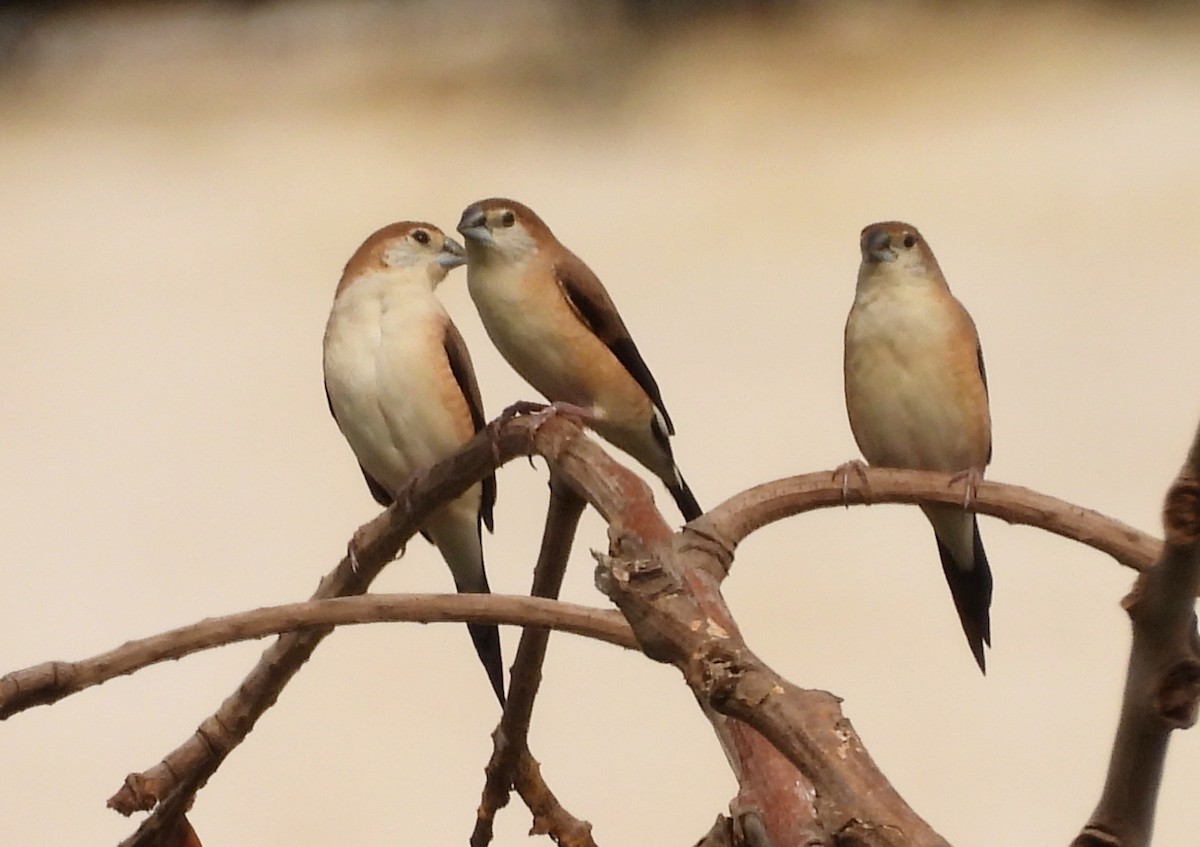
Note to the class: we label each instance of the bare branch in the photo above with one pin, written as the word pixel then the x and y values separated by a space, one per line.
pixel 774 796
pixel 51 681
pixel 731 521
pixel 1162 684
pixel 172 782
pixel 510 739
pixel 688 624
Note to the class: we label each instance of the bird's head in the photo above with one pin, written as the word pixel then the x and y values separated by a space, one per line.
pixel 500 230
pixel 420 250
pixel 895 250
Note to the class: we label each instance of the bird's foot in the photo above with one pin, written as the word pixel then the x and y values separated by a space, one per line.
pixel 580 414
pixel 356 545
pixel 352 547
pixel 521 407
pixel 403 499
pixel 970 478
pixel 860 470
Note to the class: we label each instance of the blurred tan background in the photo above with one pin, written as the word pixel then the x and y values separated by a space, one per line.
pixel 181 186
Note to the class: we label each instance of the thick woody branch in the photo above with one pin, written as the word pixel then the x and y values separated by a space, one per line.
pixel 775 802
pixel 1162 684
pixel 510 739
pixel 730 522
pixel 853 803
pixel 51 681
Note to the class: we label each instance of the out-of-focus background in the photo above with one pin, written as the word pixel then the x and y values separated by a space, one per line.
pixel 182 184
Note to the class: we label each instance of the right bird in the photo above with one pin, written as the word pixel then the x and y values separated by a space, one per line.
pixel 401 388
pixel 916 394
pixel 553 321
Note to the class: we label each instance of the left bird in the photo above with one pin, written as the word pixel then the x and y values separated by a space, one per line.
pixel 402 390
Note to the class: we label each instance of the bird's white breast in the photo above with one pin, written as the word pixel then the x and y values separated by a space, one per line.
pixel 389 381
pixel 913 389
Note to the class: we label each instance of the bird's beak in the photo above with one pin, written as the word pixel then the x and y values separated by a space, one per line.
pixel 473 226
pixel 877 247
pixel 452 254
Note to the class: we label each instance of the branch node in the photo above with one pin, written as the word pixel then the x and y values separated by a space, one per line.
pixel 859 833
pixel 1175 700
pixel 706 547
pixel 139 793
pixel 750 830
pixel 1181 512
pixel 1096 836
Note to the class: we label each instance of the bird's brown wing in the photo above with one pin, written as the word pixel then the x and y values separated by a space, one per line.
pixel 460 365
pixel 983 376
pixel 587 296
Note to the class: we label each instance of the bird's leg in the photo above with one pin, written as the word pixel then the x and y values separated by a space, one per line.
pixel 860 470
pixel 970 478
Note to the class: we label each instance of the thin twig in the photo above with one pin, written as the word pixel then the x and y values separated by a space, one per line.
pixel 510 739
pixel 549 817
pixel 49 682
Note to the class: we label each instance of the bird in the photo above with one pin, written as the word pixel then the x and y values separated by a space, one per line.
pixel 402 390
pixel 554 322
pixel 917 398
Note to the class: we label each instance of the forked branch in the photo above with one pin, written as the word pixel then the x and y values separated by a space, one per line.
pixel 1162 683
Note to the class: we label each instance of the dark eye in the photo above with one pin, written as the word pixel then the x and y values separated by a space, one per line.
pixel 909 240
pixel 508 219
pixel 420 236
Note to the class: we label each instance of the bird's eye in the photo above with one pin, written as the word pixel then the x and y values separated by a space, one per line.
pixel 909 240
pixel 421 236
pixel 508 219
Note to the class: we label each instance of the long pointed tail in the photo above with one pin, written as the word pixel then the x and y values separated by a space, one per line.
pixel 684 498
pixel 971 587
pixel 486 638
pixel 459 541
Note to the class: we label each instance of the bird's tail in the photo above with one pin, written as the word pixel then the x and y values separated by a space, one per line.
pixel 486 638
pixel 684 498
pixel 971 588
pixel 461 546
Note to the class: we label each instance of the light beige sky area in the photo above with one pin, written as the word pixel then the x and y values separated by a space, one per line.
pixel 181 192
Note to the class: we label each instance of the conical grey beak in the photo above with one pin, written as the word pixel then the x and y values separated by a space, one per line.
pixel 878 247
pixel 452 254
pixel 473 225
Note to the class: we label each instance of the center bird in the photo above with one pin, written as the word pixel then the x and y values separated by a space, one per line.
pixel 402 390
pixel 553 321
pixel 916 393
